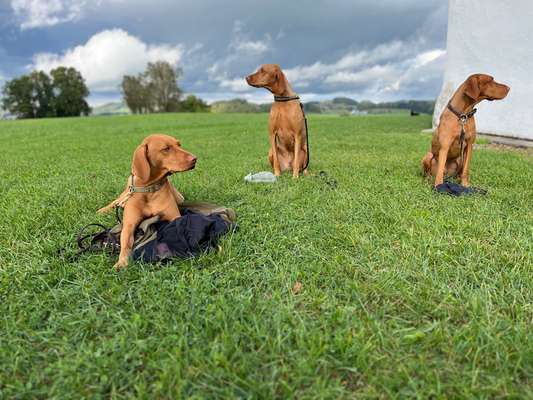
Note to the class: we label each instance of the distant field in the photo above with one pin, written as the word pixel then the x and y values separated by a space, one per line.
pixel 404 293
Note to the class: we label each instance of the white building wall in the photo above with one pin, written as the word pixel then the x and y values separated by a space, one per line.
pixel 493 37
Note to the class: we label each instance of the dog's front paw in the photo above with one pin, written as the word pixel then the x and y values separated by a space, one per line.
pixel 121 263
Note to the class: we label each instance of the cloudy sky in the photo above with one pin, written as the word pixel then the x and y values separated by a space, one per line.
pixel 365 49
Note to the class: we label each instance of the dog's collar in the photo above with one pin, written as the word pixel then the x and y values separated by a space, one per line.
pixel 154 187
pixel 285 98
pixel 462 116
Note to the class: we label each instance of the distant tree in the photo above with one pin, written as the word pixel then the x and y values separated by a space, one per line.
pixel 18 98
pixel 70 92
pixel 313 107
pixel 344 100
pixel 162 83
pixel 194 104
pixel 154 90
pixel 136 95
pixel 29 96
pixel 43 95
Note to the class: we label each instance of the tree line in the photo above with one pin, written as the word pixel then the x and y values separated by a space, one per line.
pixel 63 93
pixel 156 90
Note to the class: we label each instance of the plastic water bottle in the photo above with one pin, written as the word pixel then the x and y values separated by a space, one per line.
pixel 261 177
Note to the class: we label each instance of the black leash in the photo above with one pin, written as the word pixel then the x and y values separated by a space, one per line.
pixel 96 240
pixel 282 99
pixel 100 238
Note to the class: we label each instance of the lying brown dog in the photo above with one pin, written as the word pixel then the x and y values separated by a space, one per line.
pixel 286 126
pixel 451 150
pixel 149 192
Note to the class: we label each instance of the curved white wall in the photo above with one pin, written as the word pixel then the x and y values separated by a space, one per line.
pixel 493 37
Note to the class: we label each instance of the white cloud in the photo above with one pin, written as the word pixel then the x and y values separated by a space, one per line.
pixel 375 73
pixel 428 56
pixel 108 56
pixel 45 13
pixel 41 13
pixel 347 64
pixel 364 76
pixel 388 70
pixel 241 51
pixel 241 44
pixel 418 73
pixel 249 46
pixel 235 85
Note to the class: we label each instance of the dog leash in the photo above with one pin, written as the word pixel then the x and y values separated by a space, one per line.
pixel 282 99
pixel 463 119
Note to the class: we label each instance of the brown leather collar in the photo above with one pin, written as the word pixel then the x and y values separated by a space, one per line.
pixel 285 98
pixel 462 116
pixel 154 187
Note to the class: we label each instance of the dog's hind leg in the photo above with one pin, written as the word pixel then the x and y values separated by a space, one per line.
pixel 426 163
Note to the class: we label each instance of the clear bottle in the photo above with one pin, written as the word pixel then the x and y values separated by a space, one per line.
pixel 261 177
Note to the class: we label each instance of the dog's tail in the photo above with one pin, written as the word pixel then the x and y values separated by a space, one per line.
pixel 108 208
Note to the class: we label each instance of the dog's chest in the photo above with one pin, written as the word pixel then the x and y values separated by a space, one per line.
pixel 286 123
pixel 161 203
pixel 469 132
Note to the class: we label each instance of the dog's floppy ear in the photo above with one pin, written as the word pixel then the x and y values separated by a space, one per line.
pixel 140 165
pixel 472 87
pixel 279 81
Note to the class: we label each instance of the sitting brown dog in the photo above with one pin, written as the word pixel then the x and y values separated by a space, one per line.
pixel 286 126
pixel 451 147
pixel 149 192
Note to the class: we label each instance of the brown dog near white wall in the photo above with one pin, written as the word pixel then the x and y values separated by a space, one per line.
pixel 148 192
pixel 451 150
pixel 286 126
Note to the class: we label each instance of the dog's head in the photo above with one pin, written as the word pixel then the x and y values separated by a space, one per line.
pixel 268 76
pixel 483 87
pixel 158 155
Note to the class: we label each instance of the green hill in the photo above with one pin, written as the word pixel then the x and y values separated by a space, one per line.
pixel 112 108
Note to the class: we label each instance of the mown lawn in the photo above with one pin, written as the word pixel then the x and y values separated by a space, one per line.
pixel 404 293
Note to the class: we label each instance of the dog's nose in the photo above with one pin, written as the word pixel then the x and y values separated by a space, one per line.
pixel 193 159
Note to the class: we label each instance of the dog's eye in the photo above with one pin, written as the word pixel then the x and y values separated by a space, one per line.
pixel 166 149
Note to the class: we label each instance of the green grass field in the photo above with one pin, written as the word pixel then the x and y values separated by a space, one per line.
pixel 405 293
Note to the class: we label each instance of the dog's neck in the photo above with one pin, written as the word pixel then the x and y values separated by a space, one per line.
pixel 461 102
pixel 287 92
pixel 155 176
pixel 283 88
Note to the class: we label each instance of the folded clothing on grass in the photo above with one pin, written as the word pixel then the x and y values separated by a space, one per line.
pixel 187 236
pixel 197 230
pixel 454 189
